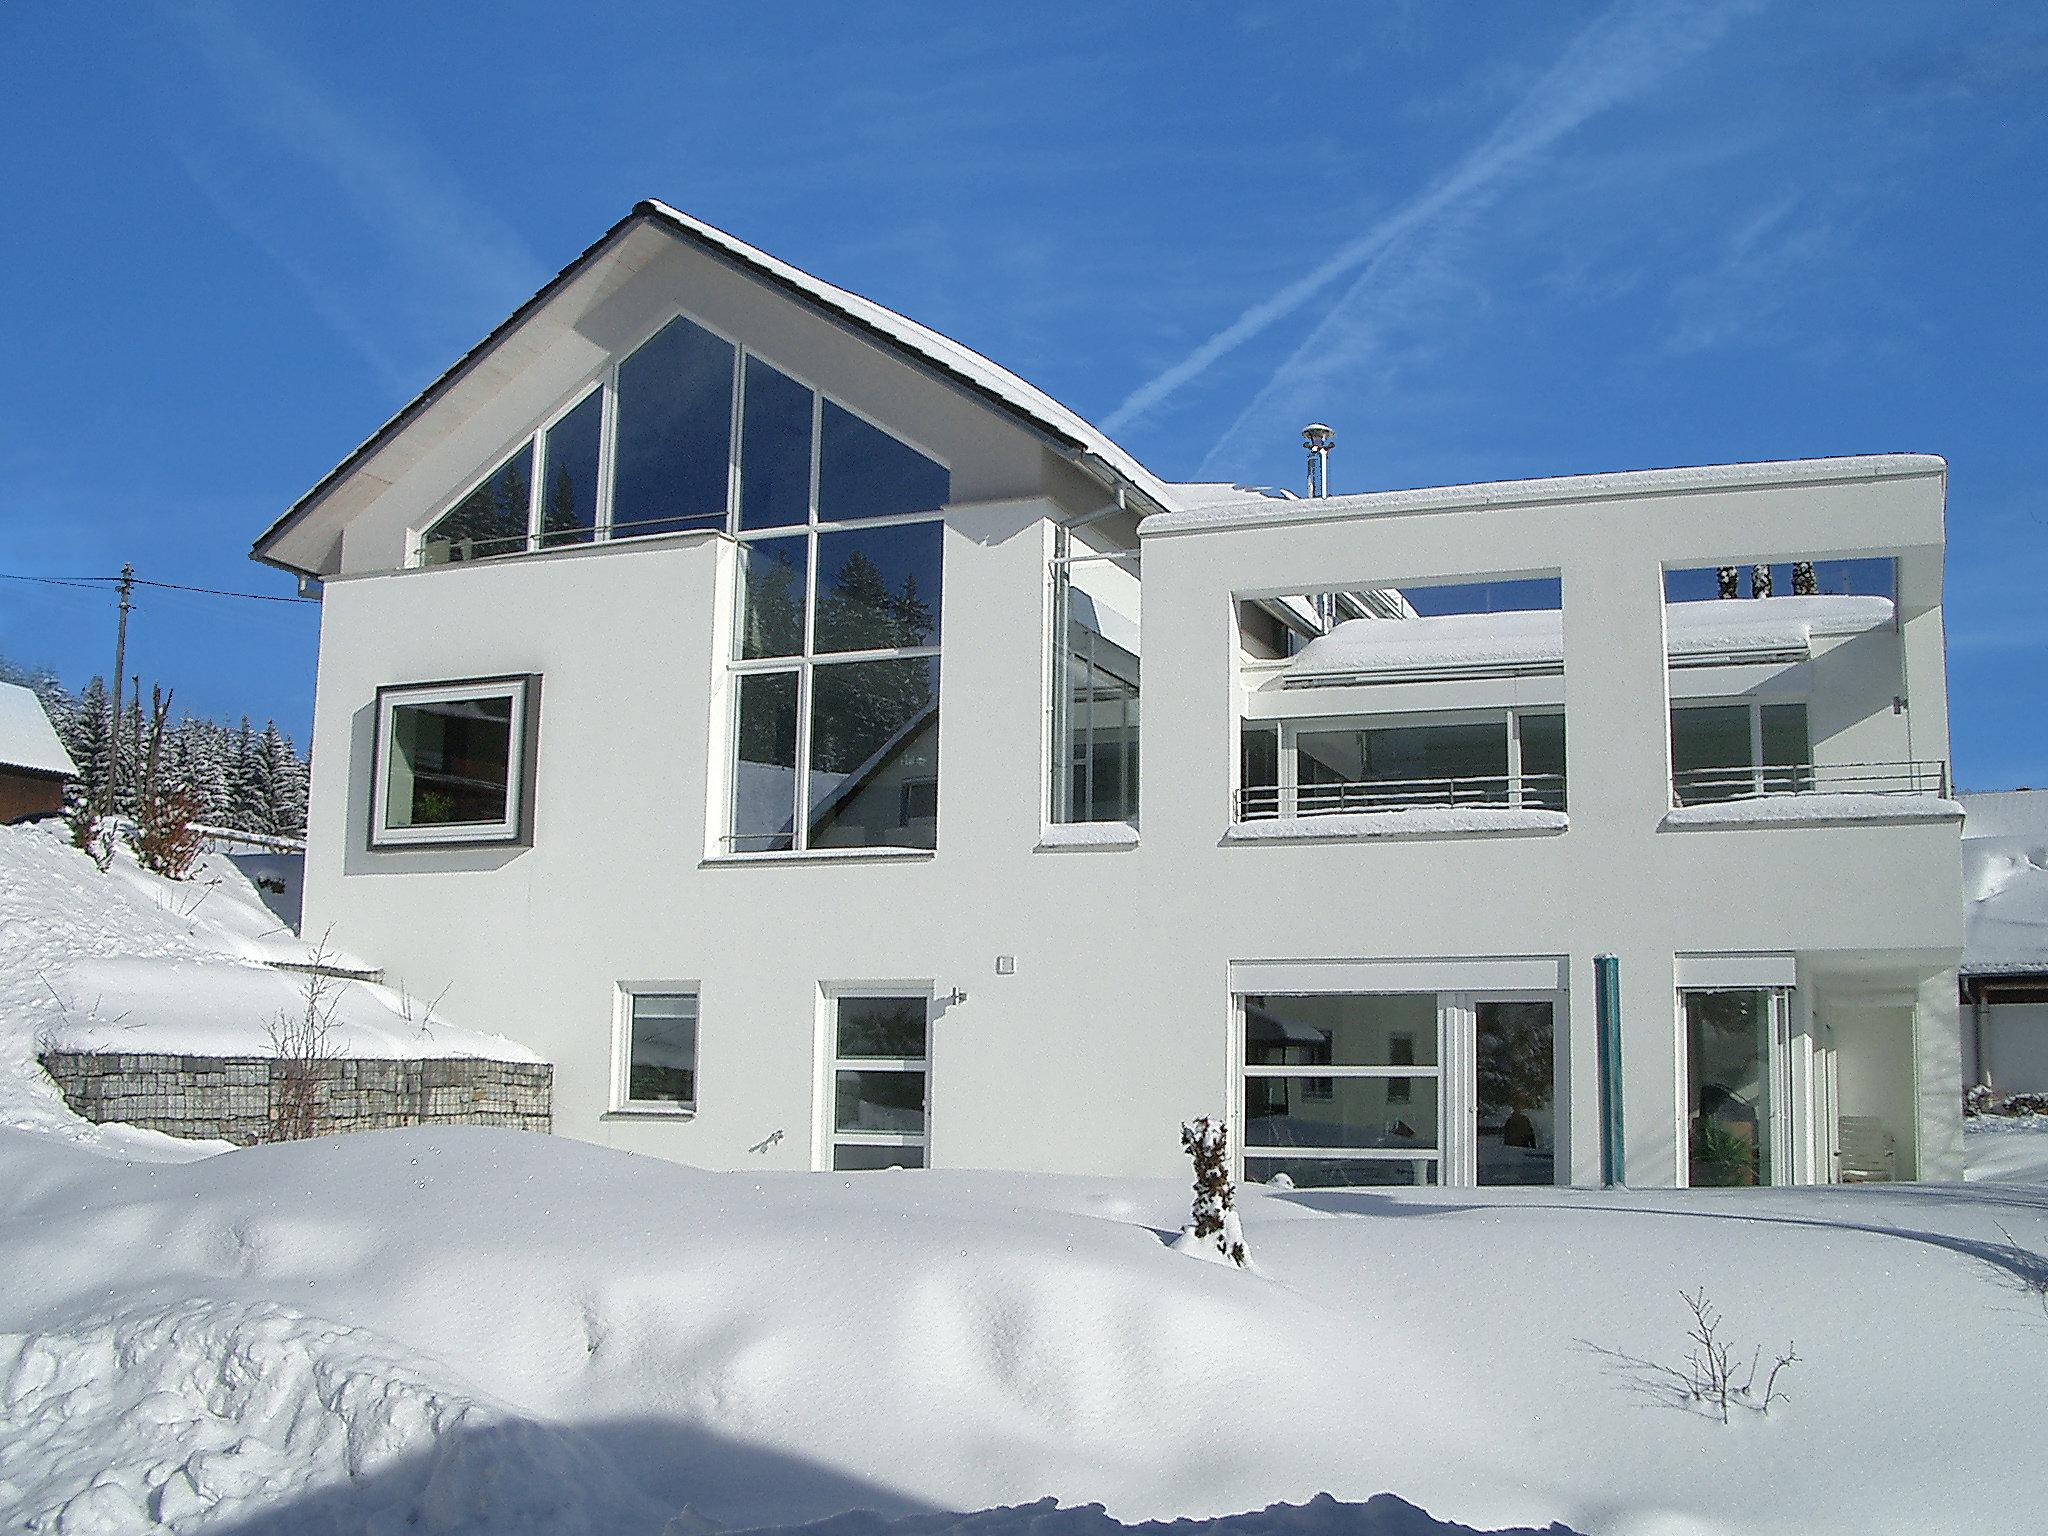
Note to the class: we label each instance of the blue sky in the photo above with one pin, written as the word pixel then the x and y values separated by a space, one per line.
pixel 1481 240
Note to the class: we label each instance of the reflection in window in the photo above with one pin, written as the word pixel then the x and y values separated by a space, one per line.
pixel 1342 1088
pixel 661 1049
pixel 1728 1087
pixel 569 452
pixel 878 588
pixel 1096 687
pixel 864 472
pixel 874 729
pixel 879 1082
pixel 1517 1092
pixel 449 764
pixel 673 448
pixel 490 520
pixel 764 776
pixel 772 581
pixel 1723 752
pixel 775 449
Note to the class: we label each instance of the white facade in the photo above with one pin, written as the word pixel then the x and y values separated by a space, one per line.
pixel 1086 983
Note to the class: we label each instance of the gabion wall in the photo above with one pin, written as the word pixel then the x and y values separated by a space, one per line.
pixel 238 1098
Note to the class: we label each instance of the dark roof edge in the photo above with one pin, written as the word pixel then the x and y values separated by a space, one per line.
pixel 655 212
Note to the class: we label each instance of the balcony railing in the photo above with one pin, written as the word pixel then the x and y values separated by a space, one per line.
pixel 1532 791
pixel 1714 786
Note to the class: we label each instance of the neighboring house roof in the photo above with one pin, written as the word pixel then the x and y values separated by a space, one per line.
pixel 2005 882
pixel 27 739
pixel 937 352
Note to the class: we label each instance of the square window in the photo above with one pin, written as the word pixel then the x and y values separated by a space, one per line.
pixel 451 762
pixel 658 1050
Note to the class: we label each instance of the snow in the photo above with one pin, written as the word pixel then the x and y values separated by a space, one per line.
pixel 1089 834
pixel 1415 821
pixel 27 739
pixel 130 962
pixel 1514 493
pixel 1536 638
pixel 1816 808
pixel 2006 1149
pixel 475 1330
pixel 2005 878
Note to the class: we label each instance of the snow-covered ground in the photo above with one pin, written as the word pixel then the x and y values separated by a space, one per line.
pixel 464 1330
pixel 2007 1149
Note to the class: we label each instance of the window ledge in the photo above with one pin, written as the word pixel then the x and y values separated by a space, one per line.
pixel 1815 810
pixel 1088 834
pixel 1418 821
pixel 647 1112
pixel 823 856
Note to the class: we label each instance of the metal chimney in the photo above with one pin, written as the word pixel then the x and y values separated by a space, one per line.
pixel 1318 440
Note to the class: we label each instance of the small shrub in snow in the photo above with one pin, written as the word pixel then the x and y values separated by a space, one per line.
pixel 1215 1229
pixel 1980 1100
pixel 1706 1383
pixel 165 839
pixel 300 1042
pixel 92 839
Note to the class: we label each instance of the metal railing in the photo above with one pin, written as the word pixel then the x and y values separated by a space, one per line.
pixel 1713 786
pixel 1532 791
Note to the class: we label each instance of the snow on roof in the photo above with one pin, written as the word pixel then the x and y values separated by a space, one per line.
pixel 1537 637
pixel 1223 493
pixel 1494 493
pixel 2005 882
pixel 27 739
pixel 948 355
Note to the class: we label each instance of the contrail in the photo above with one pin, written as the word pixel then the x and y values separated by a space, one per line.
pixel 1614 58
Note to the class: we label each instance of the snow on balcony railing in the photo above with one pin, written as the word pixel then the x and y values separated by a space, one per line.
pixel 1532 791
pixel 1714 786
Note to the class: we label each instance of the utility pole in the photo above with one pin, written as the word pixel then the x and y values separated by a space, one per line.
pixel 127 589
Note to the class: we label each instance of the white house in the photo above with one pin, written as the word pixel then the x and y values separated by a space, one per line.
pixel 833 753
pixel 2005 941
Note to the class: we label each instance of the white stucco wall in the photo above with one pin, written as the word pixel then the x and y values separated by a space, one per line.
pixel 1117 1023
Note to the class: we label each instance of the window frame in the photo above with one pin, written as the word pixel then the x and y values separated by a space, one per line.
pixel 828 1136
pixel 1758 770
pixel 621 1100
pixel 515 828
pixel 606 378
pixel 1287 730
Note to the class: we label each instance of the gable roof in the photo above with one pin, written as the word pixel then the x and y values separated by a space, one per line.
pixel 960 365
pixel 27 739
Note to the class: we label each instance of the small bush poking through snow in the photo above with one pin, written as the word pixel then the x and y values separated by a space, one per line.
pixel 1215 1231
pixel 302 1045
pixel 1706 1383
pixel 1980 1100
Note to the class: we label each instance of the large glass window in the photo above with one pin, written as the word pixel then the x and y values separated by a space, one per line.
pixel 490 520
pixel 673 453
pixel 880 1077
pixel 569 485
pixel 837 670
pixel 450 762
pixel 1736 751
pixel 864 472
pixel 658 1050
pixel 1342 1089
pixel 775 449
pixel 1729 1103
pixel 1095 686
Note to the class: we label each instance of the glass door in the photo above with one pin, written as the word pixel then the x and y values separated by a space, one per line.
pixel 1735 1088
pixel 1515 1090
pixel 880 1076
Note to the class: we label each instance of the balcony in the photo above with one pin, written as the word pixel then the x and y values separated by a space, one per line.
pixel 1720 786
pixel 1528 791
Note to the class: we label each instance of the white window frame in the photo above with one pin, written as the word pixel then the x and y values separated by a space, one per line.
pixel 622 1101
pixel 1456 1156
pixel 1781 1133
pixel 828 1135
pixel 516 824
pixel 1756 766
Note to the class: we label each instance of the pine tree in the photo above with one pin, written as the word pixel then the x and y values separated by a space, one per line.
pixel 84 734
pixel 245 793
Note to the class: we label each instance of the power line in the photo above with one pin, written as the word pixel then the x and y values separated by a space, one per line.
pixel 93 584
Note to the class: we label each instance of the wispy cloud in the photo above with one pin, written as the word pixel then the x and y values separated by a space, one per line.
pixel 323 170
pixel 1616 58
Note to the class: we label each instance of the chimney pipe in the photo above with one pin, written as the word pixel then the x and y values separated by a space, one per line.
pixel 1318 440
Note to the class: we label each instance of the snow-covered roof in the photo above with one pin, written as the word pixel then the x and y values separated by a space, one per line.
pixel 1494 640
pixel 1188 518
pixel 27 739
pixel 1191 494
pixel 956 361
pixel 2005 882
